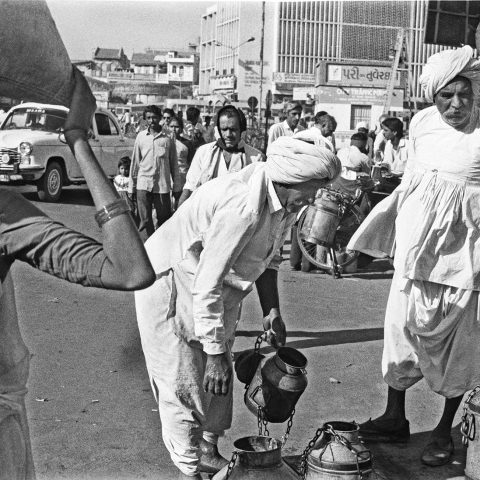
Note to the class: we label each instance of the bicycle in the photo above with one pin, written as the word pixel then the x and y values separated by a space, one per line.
pixel 337 217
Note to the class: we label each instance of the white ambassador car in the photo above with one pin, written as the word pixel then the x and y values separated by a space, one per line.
pixel 32 148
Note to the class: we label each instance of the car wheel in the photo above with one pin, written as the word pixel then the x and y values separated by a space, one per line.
pixel 50 185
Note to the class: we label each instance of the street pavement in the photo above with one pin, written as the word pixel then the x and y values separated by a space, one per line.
pixel 92 414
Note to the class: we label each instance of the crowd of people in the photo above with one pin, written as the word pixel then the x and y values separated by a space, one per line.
pixel 173 157
pixel 234 207
pixel 428 225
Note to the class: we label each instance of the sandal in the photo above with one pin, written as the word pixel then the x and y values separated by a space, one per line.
pixel 434 455
pixel 384 431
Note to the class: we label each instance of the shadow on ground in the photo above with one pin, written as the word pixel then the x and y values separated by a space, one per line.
pixel 75 195
pixel 320 339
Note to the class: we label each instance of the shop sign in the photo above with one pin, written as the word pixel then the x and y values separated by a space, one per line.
pixel 223 82
pixel 303 93
pixel 360 75
pixel 294 78
pixel 357 95
pixel 252 79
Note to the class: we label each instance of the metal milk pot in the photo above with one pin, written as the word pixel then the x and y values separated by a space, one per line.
pixel 277 384
pixel 336 453
pixel 257 458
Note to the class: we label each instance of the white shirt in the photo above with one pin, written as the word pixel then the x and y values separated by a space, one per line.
pixel 396 158
pixel 282 130
pixel 353 161
pixel 209 163
pixel 379 146
pixel 224 237
pixel 154 163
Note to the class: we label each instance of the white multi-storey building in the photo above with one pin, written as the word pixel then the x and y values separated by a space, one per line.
pixel 298 37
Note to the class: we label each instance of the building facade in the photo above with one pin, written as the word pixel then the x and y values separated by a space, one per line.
pixel 301 38
pixel 166 66
pixel 110 59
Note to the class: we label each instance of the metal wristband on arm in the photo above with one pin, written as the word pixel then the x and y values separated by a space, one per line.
pixel 112 210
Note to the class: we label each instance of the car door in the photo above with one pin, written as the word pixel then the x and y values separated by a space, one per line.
pixel 108 136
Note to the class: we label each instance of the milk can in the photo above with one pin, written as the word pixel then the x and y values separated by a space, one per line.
pixel 471 434
pixel 277 384
pixel 336 453
pixel 323 218
pixel 257 458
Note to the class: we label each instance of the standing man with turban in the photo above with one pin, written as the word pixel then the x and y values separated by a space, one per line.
pixel 207 258
pixel 228 154
pixel 431 226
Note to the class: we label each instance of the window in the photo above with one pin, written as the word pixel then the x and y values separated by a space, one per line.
pixel 174 69
pixel 105 125
pixel 360 113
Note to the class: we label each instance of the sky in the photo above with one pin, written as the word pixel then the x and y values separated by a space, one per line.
pixel 132 24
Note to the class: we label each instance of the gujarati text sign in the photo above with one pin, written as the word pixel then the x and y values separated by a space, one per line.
pixel 360 75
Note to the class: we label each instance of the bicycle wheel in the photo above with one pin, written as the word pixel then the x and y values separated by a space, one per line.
pixel 320 255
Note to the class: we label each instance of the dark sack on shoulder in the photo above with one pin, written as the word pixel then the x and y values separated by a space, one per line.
pixel 34 64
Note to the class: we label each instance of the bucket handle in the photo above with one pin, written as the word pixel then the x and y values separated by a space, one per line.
pixel 231 464
pixel 262 337
pixel 326 428
pixel 253 396
pixel 468 428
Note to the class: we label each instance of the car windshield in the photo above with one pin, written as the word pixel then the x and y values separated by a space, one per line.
pixel 48 120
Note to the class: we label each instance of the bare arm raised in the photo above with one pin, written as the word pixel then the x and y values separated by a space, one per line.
pixel 127 266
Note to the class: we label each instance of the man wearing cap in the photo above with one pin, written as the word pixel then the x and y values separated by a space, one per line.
pixel 228 154
pixel 430 224
pixel 207 258
pixel 289 126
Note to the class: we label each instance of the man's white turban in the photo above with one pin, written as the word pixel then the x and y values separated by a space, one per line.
pixel 291 161
pixel 442 67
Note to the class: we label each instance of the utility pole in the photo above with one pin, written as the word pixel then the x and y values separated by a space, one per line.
pixel 261 64
pixel 399 44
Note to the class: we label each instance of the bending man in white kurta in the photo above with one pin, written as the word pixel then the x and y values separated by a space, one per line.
pixel 432 323
pixel 207 258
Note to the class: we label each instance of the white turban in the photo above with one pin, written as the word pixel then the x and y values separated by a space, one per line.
pixel 442 67
pixel 291 161
pixel 362 125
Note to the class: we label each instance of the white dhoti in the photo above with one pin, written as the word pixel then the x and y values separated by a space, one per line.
pixel 432 331
pixel 176 365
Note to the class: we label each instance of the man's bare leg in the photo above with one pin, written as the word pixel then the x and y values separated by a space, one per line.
pixel 442 432
pixel 440 448
pixel 395 409
pixel 393 425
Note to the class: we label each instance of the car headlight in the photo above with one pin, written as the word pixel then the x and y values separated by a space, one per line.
pixel 25 148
